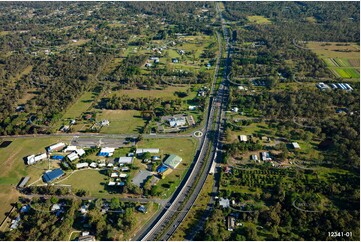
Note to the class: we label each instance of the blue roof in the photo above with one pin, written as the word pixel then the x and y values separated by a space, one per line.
pixel 49 176
pixel 162 168
pixel 57 157
pixel 103 154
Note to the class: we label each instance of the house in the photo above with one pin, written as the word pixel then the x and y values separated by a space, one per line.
pixel 296 145
pixel 56 147
pixel 176 122
pixel 254 157
pixel 32 159
pixel 172 161
pixel 25 209
pixel 224 202
pixel 122 175
pixel 81 165
pixel 72 122
pixel 235 110
pixel 142 209
pixel 106 152
pixel 23 182
pixel 231 221
pixel 84 209
pixel 148 65
pixel 181 52
pixel 243 138
pixel 155 158
pixel 111 183
pixel 144 150
pixel 55 207
pixel 192 108
pixel 93 165
pixel 101 164
pixel 125 169
pixel 52 175
pixel 73 156
pixel 65 128
pixel 104 123
pixel 175 60
pixel 265 156
pixel 15 223
pixel 114 175
pixel 130 154
pixel 125 160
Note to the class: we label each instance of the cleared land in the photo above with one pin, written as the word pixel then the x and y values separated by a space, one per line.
pixel 343 59
pixel 257 19
pixel 121 121
pixel 167 93
pixel 80 106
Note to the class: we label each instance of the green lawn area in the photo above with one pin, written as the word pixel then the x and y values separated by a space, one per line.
pixel 257 19
pixel 13 167
pixel 93 181
pixel 121 121
pixel 183 147
pixel 80 106
pixel 166 93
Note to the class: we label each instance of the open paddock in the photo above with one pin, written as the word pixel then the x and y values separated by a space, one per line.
pixel 121 121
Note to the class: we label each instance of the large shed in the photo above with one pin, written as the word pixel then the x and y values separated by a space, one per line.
pixel 173 161
pixel 52 175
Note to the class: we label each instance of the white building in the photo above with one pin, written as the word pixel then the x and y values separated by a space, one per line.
pixel 176 122
pixel 243 138
pixel 150 150
pixel 111 183
pixel 265 156
pixel 105 123
pixel 93 165
pixel 80 152
pixel 32 159
pixel 82 165
pixel 70 148
pixel 114 175
pixel 73 156
pixel 101 164
pixel 122 175
pixel 56 147
pixel 296 145
pixel 125 160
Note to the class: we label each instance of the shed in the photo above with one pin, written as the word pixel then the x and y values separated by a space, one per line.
pixel 52 175
pixel 144 150
pixel 111 183
pixel 93 165
pixel 56 147
pixel 142 209
pixel 114 175
pixel 125 160
pixel 73 156
pixel 23 182
pixel 122 175
pixel 80 152
pixel 243 138
pixel 70 148
pixel 224 202
pixel 101 164
pixel 173 161
pixel 296 145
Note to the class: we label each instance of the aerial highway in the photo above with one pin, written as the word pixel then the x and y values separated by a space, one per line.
pixel 168 219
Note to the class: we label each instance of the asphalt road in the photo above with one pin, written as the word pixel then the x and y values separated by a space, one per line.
pixel 164 225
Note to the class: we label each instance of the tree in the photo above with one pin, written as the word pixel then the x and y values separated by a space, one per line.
pixel 114 203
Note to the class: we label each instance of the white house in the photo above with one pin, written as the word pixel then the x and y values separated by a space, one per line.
pixel 93 165
pixel 122 175
pixel 111 183
pixel 113 175
pixel 296 145
pixel 101 164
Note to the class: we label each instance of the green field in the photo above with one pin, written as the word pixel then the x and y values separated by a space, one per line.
pixel 257 19
pixel 80 106
pixel 121 121
pixel 13 167
pixel 93 181
pixel 347 72
pixel 167 93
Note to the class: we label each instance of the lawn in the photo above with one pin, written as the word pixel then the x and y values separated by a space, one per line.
pixel 121 121
pixel 257 19
pixel 13 167
pixel 93 181
pixel 80 106
pixel 183 147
